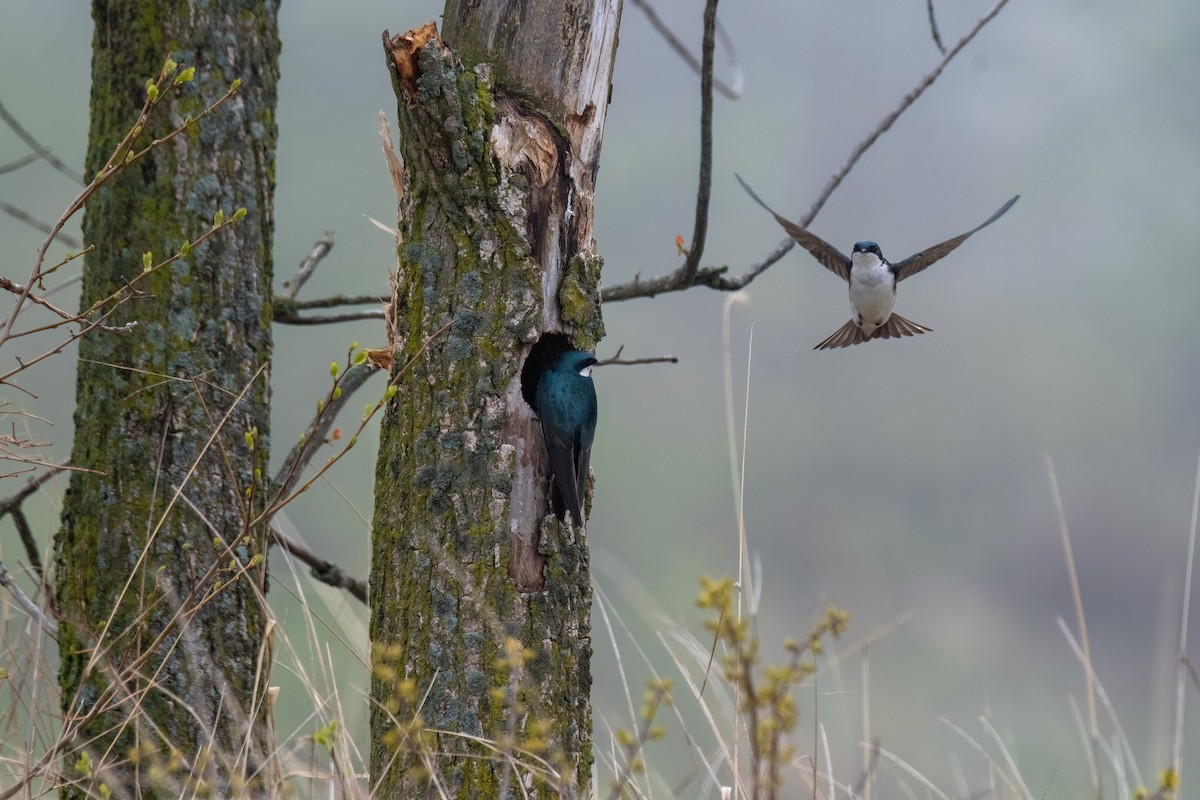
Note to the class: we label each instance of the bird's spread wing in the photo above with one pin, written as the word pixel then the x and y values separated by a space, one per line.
pixel 829 256
pixel 850 333
pixel 914 264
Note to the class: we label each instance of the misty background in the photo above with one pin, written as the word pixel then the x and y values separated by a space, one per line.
pixel 893 477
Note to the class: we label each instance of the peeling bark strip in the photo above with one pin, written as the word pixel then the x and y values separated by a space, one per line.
pixel 497 232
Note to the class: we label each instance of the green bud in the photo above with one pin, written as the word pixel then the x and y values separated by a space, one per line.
pixel 249 437
pixel 334 369
pixel 151 91
pixel 237 84
pixel 185 76
pixel 185 248
pixel 147 261
pixel 390 393
pixel 239 214
pixel 368 410
pixel 218 218
pixel 171 66
pixel 361 356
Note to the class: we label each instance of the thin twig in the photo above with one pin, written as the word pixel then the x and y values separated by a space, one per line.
pixel 715 278
pixel 36 147
pixel 308 265
pixel 686 275
pixel 933 28
pixel 733 92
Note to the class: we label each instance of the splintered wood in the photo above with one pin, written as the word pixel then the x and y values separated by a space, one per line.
pixel 404 49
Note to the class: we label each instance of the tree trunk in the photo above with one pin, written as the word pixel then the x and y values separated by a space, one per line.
pixel 481 599
pixel 154 557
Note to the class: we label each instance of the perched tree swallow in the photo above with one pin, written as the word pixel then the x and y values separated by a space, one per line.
pixel 566 405
pixel 872 278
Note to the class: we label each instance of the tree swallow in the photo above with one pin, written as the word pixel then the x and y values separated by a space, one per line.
pixel 872 278
pixel 566 405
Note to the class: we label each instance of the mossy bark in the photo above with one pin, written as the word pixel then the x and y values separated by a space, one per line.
pixel 480 597
pixel 154 557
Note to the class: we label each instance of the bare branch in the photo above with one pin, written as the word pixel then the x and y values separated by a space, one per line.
pixel 302 454
pixel 343 300
pixel 322 570
pixel 37 148
pixel 328 319
pixel 617 361
pixel 714 277
pixel 308 265
pixel 44 227
pixel 933 28
pixel 47 623
pixel 24 161
pixel 733 92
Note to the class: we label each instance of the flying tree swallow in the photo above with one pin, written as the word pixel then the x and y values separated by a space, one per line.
pixel 872 278
pixel 566 406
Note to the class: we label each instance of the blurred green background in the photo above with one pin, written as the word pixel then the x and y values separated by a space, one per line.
pixel 896 476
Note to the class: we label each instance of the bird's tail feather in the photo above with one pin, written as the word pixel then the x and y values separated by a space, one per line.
pixel 850 333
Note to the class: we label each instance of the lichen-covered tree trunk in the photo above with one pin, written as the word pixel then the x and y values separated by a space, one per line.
pixel 480 597
pixel 163 668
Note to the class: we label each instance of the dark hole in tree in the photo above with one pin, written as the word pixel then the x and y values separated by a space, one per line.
pixel 541 358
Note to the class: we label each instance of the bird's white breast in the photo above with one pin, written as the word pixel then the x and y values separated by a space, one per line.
pixel 872 291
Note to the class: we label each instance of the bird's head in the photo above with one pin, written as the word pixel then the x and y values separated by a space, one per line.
pixel 576 361
pixel 868 247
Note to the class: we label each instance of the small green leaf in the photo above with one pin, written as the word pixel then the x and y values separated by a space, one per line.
pixel 185 76
pixel 185 248
pixel 147 261
pixel 239 214
pixel 390 393
pixel 368 410
pixel 151 91
pixel 218 218
pixel 334 368
pixel 237 84
pixel 360 357
pixel 105 792
pixel 337 392
pixel 171 66
pixel 353 441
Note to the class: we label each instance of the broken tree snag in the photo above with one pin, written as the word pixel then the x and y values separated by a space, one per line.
pixel 496 225
pixel 404 54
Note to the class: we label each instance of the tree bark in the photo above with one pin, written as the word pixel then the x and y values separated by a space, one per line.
pixel 154 557
pixel 481 598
